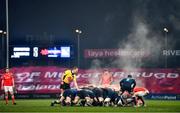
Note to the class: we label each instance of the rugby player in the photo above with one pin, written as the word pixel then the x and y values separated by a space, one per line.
pixel 67 97
pixel 109 96
pixel 139 93
pixel 106 78
pixel 8 85
pixel 119 101
pixel 87 96
pixel 127 84
pixel 99 95
pixel 135 100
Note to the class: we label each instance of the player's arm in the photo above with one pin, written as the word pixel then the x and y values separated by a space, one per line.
pixel 13 83
pixel 75 83
pixel 134 84
pixel 2 84
pixel 62 77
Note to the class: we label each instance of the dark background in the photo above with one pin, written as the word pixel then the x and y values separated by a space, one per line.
pixel 104 24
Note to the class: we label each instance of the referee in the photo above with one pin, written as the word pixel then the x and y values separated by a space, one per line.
pixel 68 77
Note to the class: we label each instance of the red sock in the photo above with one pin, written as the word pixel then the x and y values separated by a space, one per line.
pixel 13 99
pixel 6 97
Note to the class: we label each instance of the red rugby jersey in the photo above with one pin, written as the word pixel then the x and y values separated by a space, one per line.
pixel 8 79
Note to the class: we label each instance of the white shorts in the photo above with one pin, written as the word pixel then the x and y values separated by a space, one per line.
pixel 8 89
pixel 141 93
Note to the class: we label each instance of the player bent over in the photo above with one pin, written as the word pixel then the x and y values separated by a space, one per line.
pixel 109 96
pixel 99 95
pixel 86 96
pixel 8 85
pixel 127 85
pixel 68 96
pixel 139 93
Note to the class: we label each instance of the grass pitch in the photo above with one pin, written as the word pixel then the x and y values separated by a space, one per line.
pixel 44 106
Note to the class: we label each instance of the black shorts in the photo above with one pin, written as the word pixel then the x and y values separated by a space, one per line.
pixel 90 93
pixel 69 93
pixel 98 92
pixel 65 86
pixel 81 94
pixel 128 89
pixel 107 93
pixel 85 93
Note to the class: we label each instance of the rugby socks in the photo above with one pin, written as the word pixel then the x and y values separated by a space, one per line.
pixel 57 102
pixel 6 98
pixel 134 100
pixel 13 99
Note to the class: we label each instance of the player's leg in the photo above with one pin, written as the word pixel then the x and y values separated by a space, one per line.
pixel 6 93
pixel 68 101
pixel 101 100
pixel 122 90
pixel 112 96
pixel 67 97
pixel 12 95
pixel 76 99
pixel 87 96
pixel 63 87
pixel 80 95
pixel 107 101
pixel 126 98
pixel 60 100
pixel 108 97
pixel 55 102
pixel 89 101
pixel 99 95
pixel 132 100
pixel 139 98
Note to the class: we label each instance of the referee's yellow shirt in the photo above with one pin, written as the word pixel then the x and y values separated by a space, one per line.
pixel 68 77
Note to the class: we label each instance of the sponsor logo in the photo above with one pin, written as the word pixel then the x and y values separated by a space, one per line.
pixel 39 76
pixel 164 97
pixel 20 52
pixel 171 52
pixel 100 53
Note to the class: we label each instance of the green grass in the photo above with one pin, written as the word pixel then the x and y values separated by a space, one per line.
pixel 44 106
